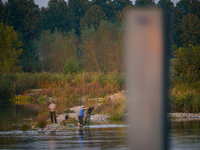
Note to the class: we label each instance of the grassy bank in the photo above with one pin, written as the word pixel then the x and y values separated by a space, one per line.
pixel 68 90
pixel 184 96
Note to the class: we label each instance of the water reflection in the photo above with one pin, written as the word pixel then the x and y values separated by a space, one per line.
pixel 11 117
pixel 185 135
pixel 81 138
pixel 182 135
pixel 84 138
pixel 52 139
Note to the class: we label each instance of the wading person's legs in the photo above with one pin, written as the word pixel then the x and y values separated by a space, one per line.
pixel 55 117
pixel 87 120
pixel 51 116
pixel 80 120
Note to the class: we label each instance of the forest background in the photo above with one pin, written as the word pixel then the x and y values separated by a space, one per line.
pixel 80 43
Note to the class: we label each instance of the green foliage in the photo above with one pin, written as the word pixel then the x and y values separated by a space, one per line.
pixel 188 6
pixel 24 16
pixel 120 4
pixel 93 17
pixel 71 66
pixel 190 27
pixel 41 122
pixel 77 9
pixel 144 3
pixel 187 29
pixel 57 48
pixel 10 49
pixel 24 100
pixel 2 10
pixel 187 61
pixel 24 127
pixel 56 16
pixel 7 90
pixel 185 97
pixel 68 88
pixel 115 108
pixel 102 54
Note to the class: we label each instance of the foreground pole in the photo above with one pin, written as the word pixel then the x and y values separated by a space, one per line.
pixel 147 83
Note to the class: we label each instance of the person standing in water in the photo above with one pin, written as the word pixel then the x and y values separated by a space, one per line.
pixel 81 115
pixel 88 114
pixel 52 108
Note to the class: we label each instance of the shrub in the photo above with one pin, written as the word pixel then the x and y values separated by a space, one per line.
pixel 184 98
pixel 187 61
pixel 7 90
pixel 24 127
pixel 71 66
pixel 41 122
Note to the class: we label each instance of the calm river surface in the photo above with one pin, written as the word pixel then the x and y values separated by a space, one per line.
pixel 183 135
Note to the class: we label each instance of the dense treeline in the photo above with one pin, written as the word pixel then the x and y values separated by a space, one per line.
pixel 84 35
pixel 87 33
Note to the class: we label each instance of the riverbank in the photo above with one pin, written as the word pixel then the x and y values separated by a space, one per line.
pixel 104 119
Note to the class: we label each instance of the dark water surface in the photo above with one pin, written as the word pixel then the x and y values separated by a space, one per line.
pixel 88 138
pixel 11 117
pixel 183 135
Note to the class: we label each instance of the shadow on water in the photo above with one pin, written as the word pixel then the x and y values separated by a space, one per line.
pixel 72 138
pixel 85 138
pixel 11 117
pixel 185 135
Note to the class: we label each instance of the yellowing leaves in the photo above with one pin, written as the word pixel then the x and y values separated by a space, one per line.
pixel 10 49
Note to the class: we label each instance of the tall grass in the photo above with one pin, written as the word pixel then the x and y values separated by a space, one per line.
pixel 115 108
pixel 185 97
pixel 68 88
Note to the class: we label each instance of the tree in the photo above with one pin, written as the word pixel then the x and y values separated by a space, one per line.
pixel 108 8
pixel 2 10
pixel 168 7
pixel 77 9
pixel 144 3
pixel 56 16
pixel 93 17
pixel 120 4
pixel 187 60
pixel 10 49
pixel 102 48
pixel 55 48
pixel 188 6
pixel 190 27
pixel 23 15
pixel 29 60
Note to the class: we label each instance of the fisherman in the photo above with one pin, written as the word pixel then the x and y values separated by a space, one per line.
pixel 52 108
pixel 81 115
pixel 88 114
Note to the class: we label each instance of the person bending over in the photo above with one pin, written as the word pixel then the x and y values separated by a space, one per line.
pixel 88 114
pixel 81 115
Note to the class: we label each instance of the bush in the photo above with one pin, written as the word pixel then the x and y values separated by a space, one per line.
pixel 71 66
pixel 7 90
pixel 187 61
pixel 41 122
pixel 24 127
pixel 185 98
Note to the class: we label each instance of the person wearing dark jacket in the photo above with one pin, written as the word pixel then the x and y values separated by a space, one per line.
pixel 88 114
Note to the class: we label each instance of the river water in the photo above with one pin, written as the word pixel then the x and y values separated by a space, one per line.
pixel 183 135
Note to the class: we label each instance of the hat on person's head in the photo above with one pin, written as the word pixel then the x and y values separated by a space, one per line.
pixel 51 101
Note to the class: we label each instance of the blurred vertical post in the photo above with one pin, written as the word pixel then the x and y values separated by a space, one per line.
pixel 147 79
